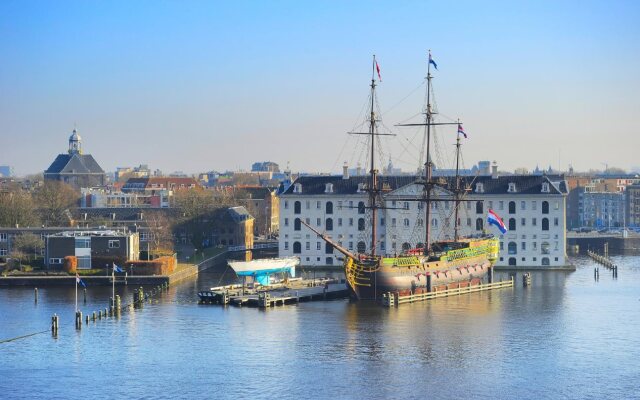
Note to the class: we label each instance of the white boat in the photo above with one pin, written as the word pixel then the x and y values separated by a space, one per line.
pixel 261 269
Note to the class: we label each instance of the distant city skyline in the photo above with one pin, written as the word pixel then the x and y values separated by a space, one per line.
pixel 199 86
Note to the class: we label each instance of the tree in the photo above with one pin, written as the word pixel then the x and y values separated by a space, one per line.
pixel 53 199
pixel 160 227
pixel 28 244
pixel 17 208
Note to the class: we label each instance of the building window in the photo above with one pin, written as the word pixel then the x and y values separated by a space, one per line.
pixel 296 224
pixel 479 224
pixel 544 248
pixel 114 244
pixel 512 224
pixel 329 207
pixel 523 221
pixel 286 204
pixel 297 188
pixel 328 188
pixel 479 188
pixel 318 221
pixel 523 246
pixel 3 237
pixel 490 204
pixel 545 187
pixel 339 205
pixel 55 261
pixel 556 221
pixel 286 245
pixel 329 260
pixel 523 205
pixel 434 223
pixel 318 245
pixel 545 224
pixel 512 261
pixel 382 246
pixel 362 247
pixel 545 261
pixel 545 207
pixel 286 222
pixel 468 221
pixel 393 222
pixel 296 207
pixel 512 187
pixel 297 248
pixel 381 221
pixel 350 245
pixel 406 205
pixel 307 204
pixel 535 245
pixel 512 207
pixel 534 221
pixel 479 208
pixel 328 248
pixel 3 252
pixel 501 205
pixel 361 207
pixel 556 205
pixel 308 221
pixel 350 221
pixel 329 224
pixel 501 246
pixel 420 222
pixel 512 248
pixel 339 221
pixel 406 222
pixel 361 224
pixel 318 205
pixel 307 246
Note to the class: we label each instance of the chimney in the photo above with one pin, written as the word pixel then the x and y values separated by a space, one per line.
pixel 345 171
pixel 494 170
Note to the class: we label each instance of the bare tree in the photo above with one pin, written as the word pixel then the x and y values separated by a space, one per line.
pixel 160 227
pixel 17 208
pixel 28 244
pixel 54 199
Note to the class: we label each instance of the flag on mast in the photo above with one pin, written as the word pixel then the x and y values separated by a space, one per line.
pixel 378 69
pixel 494 219
pixel 461 130
pixel 432 62
pixel 79 281
pixel 117 268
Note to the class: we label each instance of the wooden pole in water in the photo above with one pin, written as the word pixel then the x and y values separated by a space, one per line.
pixel 85 295
pixel 54 325
pixel 35 294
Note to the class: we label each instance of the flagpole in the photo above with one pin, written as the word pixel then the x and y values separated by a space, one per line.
pixel 113 289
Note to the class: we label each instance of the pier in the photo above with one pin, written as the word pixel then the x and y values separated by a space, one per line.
pixel 392 299
pixel 293 292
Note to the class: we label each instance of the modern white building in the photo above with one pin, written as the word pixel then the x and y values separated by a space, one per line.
pixel 532 207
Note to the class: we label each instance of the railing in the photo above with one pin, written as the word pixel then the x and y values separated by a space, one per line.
pixel 391 299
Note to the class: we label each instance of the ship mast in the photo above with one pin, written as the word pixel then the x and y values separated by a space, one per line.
pixel 373 184
pixel 456 194
pixel 428 165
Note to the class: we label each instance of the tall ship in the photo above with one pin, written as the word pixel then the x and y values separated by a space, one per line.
pixel 442 264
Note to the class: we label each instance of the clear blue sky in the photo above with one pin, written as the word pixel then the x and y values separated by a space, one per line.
pixel 195 86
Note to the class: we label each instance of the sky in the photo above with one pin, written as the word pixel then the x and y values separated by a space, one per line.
pixel 196 86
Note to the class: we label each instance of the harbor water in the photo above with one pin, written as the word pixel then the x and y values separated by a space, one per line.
pixel 566 336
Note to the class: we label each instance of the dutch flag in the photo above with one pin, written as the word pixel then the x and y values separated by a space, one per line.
pixel 79 281
pixel 494 219
pixel 116 268
pixel 461 130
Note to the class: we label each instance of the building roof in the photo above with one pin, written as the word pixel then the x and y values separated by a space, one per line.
pixel 239 214
pixel 525 184
pixel 74 164
pixel 161 183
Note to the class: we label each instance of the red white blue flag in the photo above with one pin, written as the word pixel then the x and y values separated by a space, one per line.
pixel 432 62
pixel 461 130
pixel 79 281
pixel 378 69
pixel 494 219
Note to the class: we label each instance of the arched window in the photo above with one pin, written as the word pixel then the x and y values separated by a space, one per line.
pixel 512 248
pixel 296 224
pixel 512 224
pixel 362 247
pixel 434 223
pixel 479 224
pixel 479 208
pixel 328 248
pixel 512 207
pixel 329 224
pixel 360 224
pixel 405 246
pixel 329 260
pixel 361 207
pixel 512 261
pixel 545 224
pixel 545 261
pixel 545 207
pixel 329 207
pixel 544 247
pixel 297 207
pixel 297 248
pixel 406 222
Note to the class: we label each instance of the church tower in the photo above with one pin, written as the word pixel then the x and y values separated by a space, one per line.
pixel 75 143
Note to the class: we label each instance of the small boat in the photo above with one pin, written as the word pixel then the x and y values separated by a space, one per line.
pixel 262 269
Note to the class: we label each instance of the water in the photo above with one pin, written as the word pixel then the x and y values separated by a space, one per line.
pixel 567 336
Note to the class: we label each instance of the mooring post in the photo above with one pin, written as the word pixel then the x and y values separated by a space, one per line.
pixel 54 325
pixel 35 295
pixel 93 316
pixel 118 303
pixel 78 320
pixel 87 319
pixel 490 274
pixel 428 282
pixel 85 295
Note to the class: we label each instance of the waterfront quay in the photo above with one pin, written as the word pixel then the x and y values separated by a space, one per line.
pixel 566 335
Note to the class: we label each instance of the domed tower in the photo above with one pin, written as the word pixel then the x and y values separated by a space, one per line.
pixel 75 143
